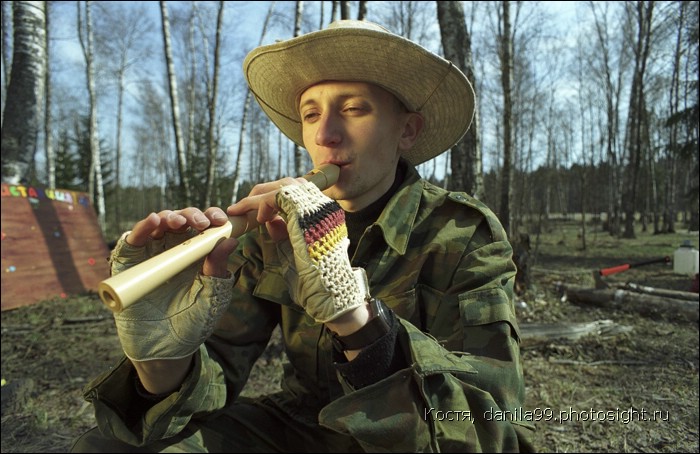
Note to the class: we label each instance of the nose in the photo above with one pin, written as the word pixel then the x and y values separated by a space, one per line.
pixel 329 132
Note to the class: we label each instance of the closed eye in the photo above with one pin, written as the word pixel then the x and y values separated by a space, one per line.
pixel 310 116
pixel 355 109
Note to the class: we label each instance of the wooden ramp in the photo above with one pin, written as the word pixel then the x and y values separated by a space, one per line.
pixel 52 245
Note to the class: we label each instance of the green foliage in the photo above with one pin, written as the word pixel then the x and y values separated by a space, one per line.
pixel 74 158
pixel 66 163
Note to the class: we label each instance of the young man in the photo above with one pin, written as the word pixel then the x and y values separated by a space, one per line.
pixel 404 341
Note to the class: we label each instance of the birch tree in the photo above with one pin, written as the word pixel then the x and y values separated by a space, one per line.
pixel 96 188
pixel 636 139
pixel 48 135
pixel 465 157
pixel 334 10
pixel 673 127
pixel 25 90
pixel 506 62
pixel 298 16
pixel 192 85
pixel 211 142
pixel 122 34
pixel 687 117
pixel 410 19
pixel 6 49
pixel 244 118
pixel 362 10
pixel 175 106
pixel 610 77
pixel 344 9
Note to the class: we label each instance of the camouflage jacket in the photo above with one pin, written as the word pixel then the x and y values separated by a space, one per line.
pixel 442 262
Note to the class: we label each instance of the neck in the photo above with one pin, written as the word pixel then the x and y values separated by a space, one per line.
pixel 358 221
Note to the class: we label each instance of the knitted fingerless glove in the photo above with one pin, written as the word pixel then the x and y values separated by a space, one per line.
pixel 319 273
pixel 176 318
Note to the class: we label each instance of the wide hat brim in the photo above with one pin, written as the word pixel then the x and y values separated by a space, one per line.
pixel 359 51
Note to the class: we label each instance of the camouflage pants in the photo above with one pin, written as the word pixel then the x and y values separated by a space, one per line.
pixel 249 426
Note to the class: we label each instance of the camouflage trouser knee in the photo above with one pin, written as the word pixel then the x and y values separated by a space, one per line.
pixel 255 426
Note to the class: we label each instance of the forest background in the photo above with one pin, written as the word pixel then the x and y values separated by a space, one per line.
pixel 583 107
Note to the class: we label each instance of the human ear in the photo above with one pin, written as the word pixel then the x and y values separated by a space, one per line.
pixel 412 126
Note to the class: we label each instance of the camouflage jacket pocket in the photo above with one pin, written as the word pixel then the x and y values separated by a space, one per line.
pixel 483 308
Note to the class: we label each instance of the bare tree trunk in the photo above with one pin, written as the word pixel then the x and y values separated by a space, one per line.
pixel 25 90
pixel 298 16
pixel 192 90
pixel 175 109
pixel 244 118
pixel 6 46
pixel 321 14
pixel 612 96
pixel 48 135
pixel 236 169
pixel 636 138
pixel 94 128
pixel 465 157
pixel 691 132
pixel 204 52
pixel 119 33
pixel 280 154
pixel 362 10
pixel 506 58
pixel 669 214
pixel 212 145
pixel 118 151
pixel 334 10
pixel 344 10
pixel 96 186
pixel 83 45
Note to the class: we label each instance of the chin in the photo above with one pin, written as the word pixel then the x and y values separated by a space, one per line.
pixel 334 193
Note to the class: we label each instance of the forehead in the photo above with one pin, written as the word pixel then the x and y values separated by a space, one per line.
pixel 343 89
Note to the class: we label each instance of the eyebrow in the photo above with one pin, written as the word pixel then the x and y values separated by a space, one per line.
pixel 342 96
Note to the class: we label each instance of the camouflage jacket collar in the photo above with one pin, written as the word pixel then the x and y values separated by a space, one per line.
pixel 397 218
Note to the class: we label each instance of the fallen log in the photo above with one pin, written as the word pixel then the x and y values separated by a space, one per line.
pixel 676 294
pixel 538 333
pixel 650 305
pixel 605 362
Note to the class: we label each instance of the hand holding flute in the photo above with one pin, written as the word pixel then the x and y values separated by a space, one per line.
pixel 183 301
pixel 151 269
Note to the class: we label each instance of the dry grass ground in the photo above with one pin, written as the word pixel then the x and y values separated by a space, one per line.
pixel 603 386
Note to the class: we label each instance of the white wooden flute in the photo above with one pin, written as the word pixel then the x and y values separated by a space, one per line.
pixel 120 291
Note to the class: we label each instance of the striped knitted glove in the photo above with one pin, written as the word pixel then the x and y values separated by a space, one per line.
pixel 319 275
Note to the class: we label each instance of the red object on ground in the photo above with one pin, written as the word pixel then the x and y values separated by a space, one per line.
pixel 626 266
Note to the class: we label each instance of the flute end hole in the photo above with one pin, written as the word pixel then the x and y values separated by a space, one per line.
pixel 110 301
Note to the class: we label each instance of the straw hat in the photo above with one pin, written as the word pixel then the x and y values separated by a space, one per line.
pixel 360 51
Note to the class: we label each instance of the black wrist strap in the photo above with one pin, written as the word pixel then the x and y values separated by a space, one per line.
pixel 375 362
pixel 378 325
